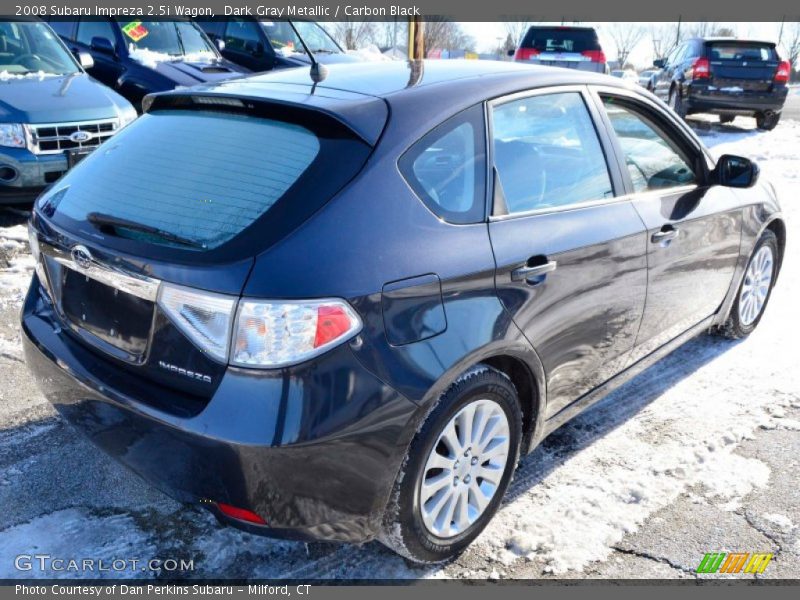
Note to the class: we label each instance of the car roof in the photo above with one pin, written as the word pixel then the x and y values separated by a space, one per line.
pixel 358 93
pixel 734 39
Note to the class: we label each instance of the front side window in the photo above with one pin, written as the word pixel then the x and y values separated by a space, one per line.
pixel 653 160
pixel 242 36
pixel 447 168
pixel 547 153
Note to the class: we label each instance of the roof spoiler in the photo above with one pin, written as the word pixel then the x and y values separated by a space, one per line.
pixel 363 117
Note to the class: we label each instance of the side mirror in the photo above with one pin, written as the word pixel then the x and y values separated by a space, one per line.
pixel 103 46
pixel 511 52
pixel 735 171
pixel 659 62
pixel 86 60
pixel 220 44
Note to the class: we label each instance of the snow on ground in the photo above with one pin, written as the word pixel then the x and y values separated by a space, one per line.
pixel 669 433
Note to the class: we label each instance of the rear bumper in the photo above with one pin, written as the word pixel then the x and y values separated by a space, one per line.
pixel 705 98
pixel 24 175
pixel 314 451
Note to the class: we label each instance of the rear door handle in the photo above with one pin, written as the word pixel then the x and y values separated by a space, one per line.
pixel 527 273
pixel 667 234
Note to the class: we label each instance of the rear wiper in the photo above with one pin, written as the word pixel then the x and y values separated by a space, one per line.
pixel 103 220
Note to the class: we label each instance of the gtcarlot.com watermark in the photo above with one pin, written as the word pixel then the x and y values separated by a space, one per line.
pixel 47 563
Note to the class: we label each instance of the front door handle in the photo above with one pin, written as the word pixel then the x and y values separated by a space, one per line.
pixel 667 234
pixel 527 273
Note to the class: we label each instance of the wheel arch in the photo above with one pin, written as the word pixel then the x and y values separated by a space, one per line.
pixel 778 227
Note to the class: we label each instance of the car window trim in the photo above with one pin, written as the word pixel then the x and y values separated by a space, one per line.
pixel 668 121
pixel 609 152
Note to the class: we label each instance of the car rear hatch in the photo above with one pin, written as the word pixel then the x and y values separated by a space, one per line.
pixel 176 207
pixel 569 47
pixel 741 66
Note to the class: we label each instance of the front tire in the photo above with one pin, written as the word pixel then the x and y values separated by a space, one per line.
pixel 458 468
pixel 754 291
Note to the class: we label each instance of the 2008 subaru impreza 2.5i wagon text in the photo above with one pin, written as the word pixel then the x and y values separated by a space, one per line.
pixel 344 310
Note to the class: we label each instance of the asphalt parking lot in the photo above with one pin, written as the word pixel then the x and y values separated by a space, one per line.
pixel 700 453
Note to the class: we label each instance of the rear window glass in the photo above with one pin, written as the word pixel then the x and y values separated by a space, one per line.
pixel 198 177
pixel 560 40
pixel 741 51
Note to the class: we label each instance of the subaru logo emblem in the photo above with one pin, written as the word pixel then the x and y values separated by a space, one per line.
pixel 81 256
pixel 79 137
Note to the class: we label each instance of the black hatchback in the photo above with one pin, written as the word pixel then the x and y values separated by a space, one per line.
pixel 344 310
pixel 727 77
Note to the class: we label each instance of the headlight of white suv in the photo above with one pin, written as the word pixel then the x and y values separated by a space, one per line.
pixel 12 135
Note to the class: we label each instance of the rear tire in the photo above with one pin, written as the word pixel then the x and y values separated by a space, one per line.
pixel 723 119
pixel 457 470
pixel 767 122
pixel 754 291
pixel 676 102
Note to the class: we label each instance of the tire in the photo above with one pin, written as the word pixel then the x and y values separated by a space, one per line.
pixel 746 314
pixel 426 530
pixel 767 122
pixel 675 102
pixel 726 119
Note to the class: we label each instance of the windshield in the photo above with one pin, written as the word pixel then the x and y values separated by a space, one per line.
pixel 733 50
pixel 285 40
pixel 28 48
pixel 176 39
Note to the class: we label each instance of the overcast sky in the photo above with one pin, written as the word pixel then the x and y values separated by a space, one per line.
pixel 487 36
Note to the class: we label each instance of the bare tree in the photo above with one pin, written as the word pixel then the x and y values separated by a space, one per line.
pixel 701 29
pixel 626 36
pixel 516 30
pixel 664 37
pixel 353 35
pixel 790 41
pixel 391 33
pixel 443 34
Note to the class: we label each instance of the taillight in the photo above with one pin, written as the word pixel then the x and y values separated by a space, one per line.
pixel 275 334
pixel 701 68
pixel 240 514
pixel 597 56
pixel 783 72
pixel 525 53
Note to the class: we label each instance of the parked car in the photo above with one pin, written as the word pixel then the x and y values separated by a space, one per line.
pixel 625 75
pixel 51 112
pixel 569 47
pixel 727 77
pixel 136 58
pixel 266 45
pixel 336 335
pixel 647 79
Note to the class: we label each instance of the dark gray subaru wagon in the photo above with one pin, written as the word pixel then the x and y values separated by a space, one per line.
pixel 344 310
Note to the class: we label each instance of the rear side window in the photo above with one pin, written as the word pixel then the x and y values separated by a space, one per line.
pixel 741 51
pixel 201 177
pixel 557 39
pixel 88 29
pixel 447 168
pixel 547 153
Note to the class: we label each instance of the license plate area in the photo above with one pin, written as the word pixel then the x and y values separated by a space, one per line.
pixel 117 320
pixel 77 155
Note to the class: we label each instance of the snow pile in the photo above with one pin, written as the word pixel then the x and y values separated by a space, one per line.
pixel 151 58
pixel 7 76
pixel 370 53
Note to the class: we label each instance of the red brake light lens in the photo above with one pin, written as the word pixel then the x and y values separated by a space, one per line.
pixel 783 72
pixel 332 322
pixel 701 69
pixel 240 514
pixel 525 53
pixel 597 56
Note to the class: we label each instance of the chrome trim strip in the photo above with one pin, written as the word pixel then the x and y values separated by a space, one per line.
pixel 34 139
pixel 140 286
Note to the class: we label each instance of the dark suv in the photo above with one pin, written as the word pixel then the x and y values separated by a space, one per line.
pixel 345 314
pixel 725 76
pixel 136 58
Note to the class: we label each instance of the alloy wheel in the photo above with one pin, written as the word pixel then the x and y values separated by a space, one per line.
pixel 464 468
pixel 755 287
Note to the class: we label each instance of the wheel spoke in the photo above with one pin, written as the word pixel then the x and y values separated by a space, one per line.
pixel 433 484
pixel 437 461
pixel 450 438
